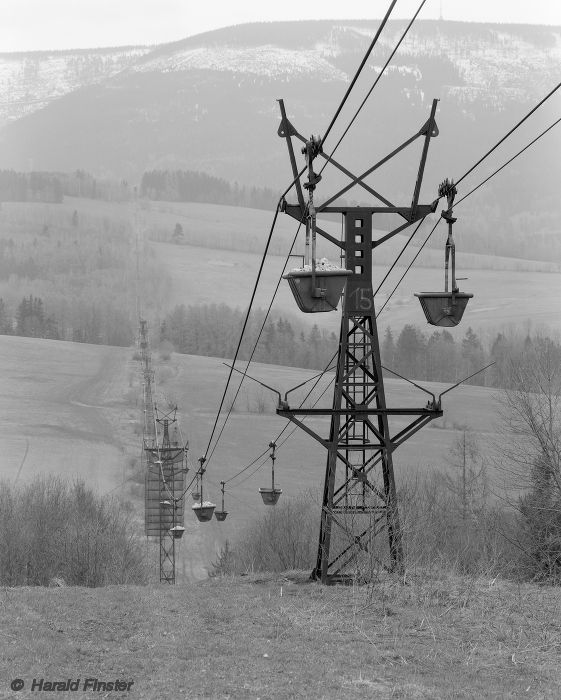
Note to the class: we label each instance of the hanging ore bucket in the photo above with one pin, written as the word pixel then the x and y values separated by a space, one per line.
pixel 271 495
pixel 177 531
pixel 221 515
pixel 319 291
pixel 203 509
pixel 444 308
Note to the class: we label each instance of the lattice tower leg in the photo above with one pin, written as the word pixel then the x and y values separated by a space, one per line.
pixel 167 540
pixel 359 496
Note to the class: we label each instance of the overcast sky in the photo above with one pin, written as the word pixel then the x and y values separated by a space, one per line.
pixel 27 25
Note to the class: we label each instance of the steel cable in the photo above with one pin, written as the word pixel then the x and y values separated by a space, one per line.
pixel 244 326
pixel 255 344
pixel 407 242
pixel 409 267
pixel 373 85
pixel 508 161
pixel 319 377
pixel 279 436
pixel 540 103
pixel 359 70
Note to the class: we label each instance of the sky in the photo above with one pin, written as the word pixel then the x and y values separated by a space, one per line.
pixel 29 25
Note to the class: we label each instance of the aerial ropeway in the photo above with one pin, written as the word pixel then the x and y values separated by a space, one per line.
pixel 221 514
pixel 446 308
pixel 271 495
pixel 204 510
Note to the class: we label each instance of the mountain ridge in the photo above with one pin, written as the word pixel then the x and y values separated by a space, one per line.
pixel 433 36
pixel 208 103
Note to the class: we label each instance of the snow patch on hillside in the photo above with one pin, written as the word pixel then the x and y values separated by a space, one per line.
pixel 28 82
pixel 270 61
pixel 498 61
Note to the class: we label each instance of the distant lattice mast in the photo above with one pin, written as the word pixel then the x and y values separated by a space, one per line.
pixel 165 462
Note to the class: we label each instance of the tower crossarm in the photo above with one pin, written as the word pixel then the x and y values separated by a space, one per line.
pixel 369 411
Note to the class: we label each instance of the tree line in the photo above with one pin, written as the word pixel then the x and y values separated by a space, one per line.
pixel 172 186
pixel 191 186
pixel 95 323
pixel 213 330
pixel 30 187
pixel 438 357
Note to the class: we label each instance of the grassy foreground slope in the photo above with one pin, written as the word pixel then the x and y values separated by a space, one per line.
pixel 283 637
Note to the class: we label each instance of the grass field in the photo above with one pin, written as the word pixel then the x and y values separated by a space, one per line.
pixel 503 298
pixel 55 409
pixel 225 246
pixel 280 637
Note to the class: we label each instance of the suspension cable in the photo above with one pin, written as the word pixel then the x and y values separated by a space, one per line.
pixel 294 429
pixel 374 85
pixel 244 324
pixel 498 170
pixel 409 266
pixel 318 379
pixel 286 191
pixel 255 344
pixel 359 70
pixel 540 103
pixel 407 242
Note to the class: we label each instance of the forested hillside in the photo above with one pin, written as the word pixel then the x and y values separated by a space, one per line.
pixel 69 275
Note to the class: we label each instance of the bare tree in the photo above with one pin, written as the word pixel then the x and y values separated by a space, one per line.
pixel 468 480
pixel 531 454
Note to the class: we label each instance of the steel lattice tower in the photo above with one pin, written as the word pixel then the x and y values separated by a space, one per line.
pixel 359 495
pixel 165 469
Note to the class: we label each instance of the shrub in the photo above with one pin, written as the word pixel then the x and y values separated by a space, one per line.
pixel 51 529
pixel 285 537
pixel 436 535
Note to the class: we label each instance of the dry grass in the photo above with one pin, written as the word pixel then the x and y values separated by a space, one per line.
pixel 284 637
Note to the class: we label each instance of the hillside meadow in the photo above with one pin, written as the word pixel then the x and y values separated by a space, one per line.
pixel 222 250
pixel 218 260
pixel 74 409
pixel 61 407
pixel 433 635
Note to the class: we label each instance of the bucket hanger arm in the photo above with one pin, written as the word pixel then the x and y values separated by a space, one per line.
pixel 448 189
